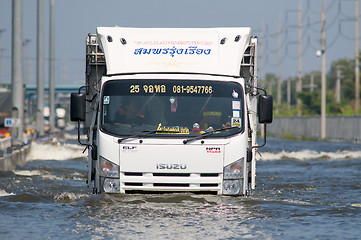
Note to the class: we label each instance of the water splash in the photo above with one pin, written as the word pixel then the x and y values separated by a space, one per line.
pixel 59 152
pixel 309 154
pixel 27 173
pixel 4 193
pixel 66 197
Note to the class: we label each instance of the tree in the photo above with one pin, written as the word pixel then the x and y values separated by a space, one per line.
pixel 311 101
pixel 347 67
pixel 271 84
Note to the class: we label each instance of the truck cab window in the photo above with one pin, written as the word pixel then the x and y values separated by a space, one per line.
pixel 177 108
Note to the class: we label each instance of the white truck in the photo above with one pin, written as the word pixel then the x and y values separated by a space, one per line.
pixel 171 110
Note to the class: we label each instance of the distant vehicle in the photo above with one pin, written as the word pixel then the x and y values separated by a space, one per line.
pixel 169 110
pixel 46 114
pixel 60 117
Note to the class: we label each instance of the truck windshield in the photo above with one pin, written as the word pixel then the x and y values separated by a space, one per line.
pixel 172 108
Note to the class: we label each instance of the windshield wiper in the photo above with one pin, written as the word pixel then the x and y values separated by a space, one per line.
pixel 144 134
pixel 207 134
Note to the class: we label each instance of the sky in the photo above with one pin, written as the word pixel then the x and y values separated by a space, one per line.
pixel 74 19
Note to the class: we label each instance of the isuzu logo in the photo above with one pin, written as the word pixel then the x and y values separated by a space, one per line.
pixel 171 166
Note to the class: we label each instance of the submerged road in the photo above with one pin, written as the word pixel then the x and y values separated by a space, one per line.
pixel 305 190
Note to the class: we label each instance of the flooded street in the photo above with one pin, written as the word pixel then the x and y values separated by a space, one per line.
pixel 305 190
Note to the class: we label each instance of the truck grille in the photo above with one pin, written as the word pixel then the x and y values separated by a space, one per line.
pixel 169 182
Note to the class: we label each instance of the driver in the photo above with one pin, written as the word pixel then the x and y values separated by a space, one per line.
pixel 130 113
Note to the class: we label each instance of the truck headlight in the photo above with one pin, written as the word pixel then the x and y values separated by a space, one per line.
pixel 233 170
pixel 111 185
pixel 232 187
pixel 232 178
pixel 107 168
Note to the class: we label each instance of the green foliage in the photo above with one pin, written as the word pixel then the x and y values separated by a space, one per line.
pixel 311 93
pixel 347 69
pixel 283 110
pixel 332 107
pixel 311 103
pixel 270 84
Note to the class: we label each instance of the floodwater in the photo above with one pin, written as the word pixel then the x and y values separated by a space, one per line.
pixel 305 190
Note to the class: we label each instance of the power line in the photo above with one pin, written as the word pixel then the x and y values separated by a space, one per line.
pixel 311 10
pixel 333 41
pixel 310 27
pixel 331 5
pixel 344 35
pixel 340 9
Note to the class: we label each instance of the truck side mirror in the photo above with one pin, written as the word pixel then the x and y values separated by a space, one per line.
pixel 265 109
pixel 77 107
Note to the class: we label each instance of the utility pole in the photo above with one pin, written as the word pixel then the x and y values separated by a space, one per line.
pixel 52 67
pixel 26 73
pixel 1 50
pixel 16 69
pixel 323 72
pixel 289 93
pixel 1 74
pixel 279 64
pixel 311 85
pixel 357 72
pixel 338 85
pixel 299 80
pixel 40 69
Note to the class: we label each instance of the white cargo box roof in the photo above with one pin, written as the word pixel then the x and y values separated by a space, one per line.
pixel 156 50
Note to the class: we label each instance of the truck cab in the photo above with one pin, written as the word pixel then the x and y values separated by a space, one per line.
pixel 170 110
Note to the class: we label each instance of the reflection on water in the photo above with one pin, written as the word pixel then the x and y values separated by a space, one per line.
pixel 171 216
